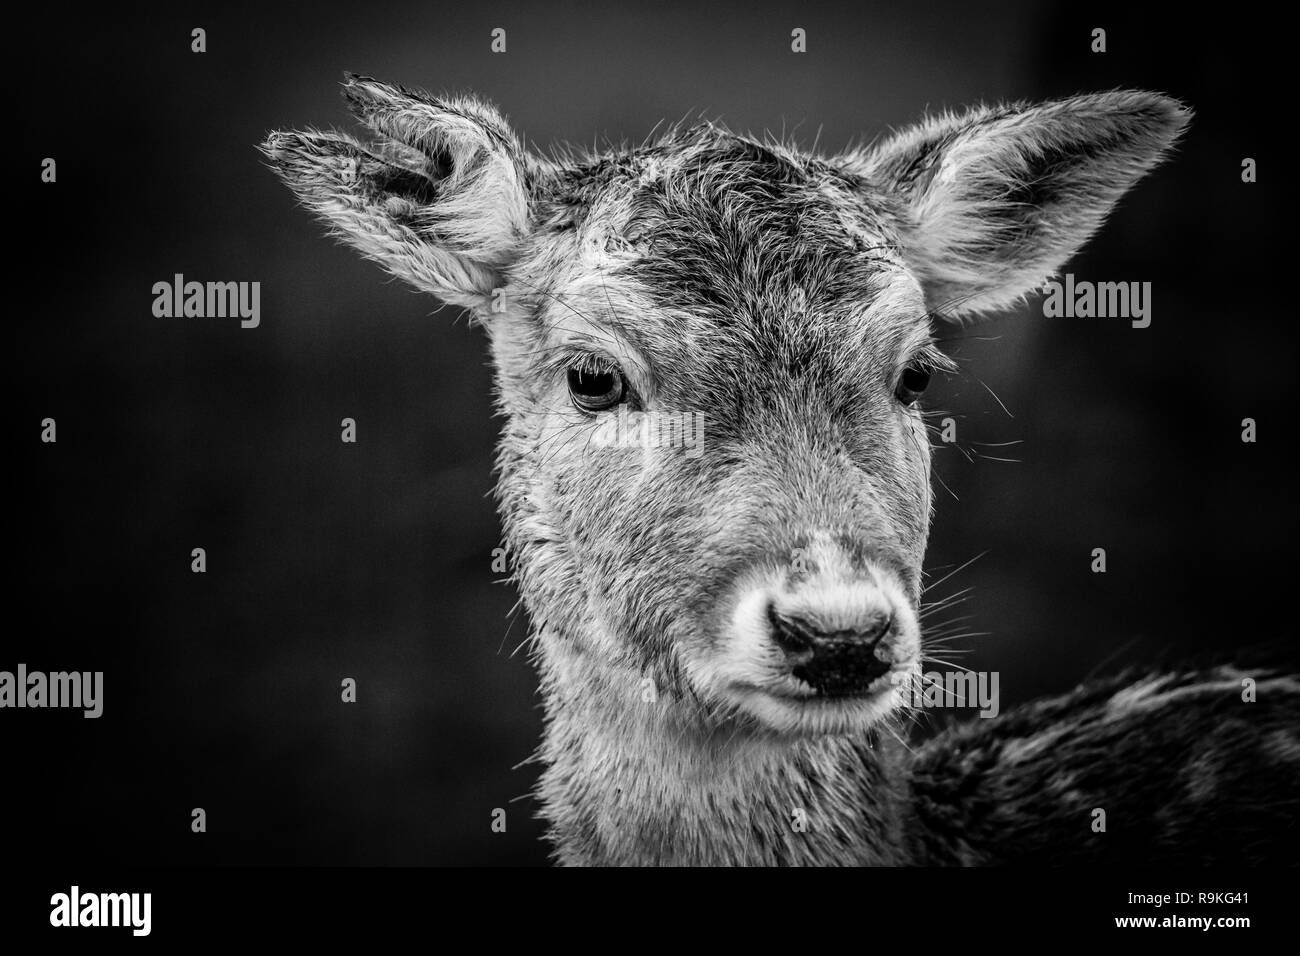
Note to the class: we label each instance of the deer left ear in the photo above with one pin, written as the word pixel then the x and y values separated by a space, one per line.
pixel 995 200
pixel 440 198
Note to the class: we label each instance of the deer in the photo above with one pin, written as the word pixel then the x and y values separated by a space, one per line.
pixel 719 636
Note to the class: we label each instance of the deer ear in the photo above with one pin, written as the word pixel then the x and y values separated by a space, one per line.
pixel 996 200
pixel 440 197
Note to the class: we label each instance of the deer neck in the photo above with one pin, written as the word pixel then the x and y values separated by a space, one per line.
pixel 637 777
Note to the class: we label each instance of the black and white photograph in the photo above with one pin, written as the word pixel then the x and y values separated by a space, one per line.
pixel 515 436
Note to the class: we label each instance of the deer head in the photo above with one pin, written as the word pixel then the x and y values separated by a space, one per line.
pixel 767 576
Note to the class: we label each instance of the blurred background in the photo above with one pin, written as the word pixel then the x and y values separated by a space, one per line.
pixel 373 561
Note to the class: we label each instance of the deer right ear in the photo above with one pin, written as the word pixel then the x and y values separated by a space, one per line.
pixel 995 200
pixel 440 199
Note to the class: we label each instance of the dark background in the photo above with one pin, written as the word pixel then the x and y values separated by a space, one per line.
pixel 373 560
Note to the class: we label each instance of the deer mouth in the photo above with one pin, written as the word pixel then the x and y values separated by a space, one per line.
pixel 801 710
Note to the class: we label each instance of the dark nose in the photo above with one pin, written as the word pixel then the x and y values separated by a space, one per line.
pixel 833 662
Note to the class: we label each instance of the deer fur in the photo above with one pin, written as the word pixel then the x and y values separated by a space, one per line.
pixel 786 297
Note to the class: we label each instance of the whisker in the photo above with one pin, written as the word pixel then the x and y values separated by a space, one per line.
pixel 935 584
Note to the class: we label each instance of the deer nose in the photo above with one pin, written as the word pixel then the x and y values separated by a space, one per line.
pixel 833 662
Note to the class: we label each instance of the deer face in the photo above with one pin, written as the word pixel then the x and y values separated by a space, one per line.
pixel 711 354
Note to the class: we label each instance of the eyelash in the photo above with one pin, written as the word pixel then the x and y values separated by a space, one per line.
pixel 566 357
pixel 931 357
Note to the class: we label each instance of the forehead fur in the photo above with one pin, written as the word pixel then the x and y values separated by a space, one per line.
pixel 708 241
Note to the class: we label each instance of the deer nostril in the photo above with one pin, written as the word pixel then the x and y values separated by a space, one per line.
pixel 832 661
pixel 791 634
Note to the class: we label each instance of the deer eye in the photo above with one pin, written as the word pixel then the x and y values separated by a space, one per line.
pixel 913 382
pixel 594 389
